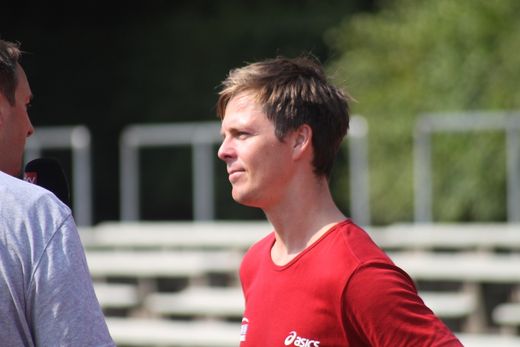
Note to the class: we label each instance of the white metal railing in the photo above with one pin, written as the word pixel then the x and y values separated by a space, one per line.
pixel 77 139
pixel 509 122
pixel 202 136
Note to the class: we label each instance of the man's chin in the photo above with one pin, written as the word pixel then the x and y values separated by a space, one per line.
pixel 245 200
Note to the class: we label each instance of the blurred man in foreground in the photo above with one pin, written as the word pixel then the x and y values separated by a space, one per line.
pixel 318 279
pixel 46 292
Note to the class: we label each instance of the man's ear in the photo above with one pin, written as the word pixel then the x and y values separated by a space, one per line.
pixel 302 140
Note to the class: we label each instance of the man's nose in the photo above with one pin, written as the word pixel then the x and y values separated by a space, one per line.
pixel 224 151
pixel 30 131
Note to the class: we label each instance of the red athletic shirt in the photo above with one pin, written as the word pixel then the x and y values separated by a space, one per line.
pixel 340 291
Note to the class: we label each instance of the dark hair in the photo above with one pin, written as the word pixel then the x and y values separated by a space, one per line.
pixel 293 92
pixel 9 55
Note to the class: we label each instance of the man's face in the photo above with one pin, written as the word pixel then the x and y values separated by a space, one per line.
pixel 15 126
pixel 258 164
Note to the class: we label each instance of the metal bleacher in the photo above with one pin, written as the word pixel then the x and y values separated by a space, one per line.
pixel 176 283
pixel 170 284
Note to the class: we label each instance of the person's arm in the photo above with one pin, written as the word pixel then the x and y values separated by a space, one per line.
pixel 382 307
pixel 64 310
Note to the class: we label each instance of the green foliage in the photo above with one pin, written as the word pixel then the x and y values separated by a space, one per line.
pixel 415 57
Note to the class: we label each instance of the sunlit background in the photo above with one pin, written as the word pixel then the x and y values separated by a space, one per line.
pixel 436 89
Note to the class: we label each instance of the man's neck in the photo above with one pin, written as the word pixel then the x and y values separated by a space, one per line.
pixel 302 220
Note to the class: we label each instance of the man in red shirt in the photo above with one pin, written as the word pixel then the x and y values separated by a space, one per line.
pixel 318 279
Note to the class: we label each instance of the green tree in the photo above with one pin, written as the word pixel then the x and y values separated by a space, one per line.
pixel 414 57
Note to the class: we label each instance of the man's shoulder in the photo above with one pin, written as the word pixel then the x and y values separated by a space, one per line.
pixel 261 245
pixel 30 216
pixel 257 251
pixel 353 241
pixel 18 195
pixel 14 185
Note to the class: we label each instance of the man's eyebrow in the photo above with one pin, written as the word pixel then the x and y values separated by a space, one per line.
pixel 232 130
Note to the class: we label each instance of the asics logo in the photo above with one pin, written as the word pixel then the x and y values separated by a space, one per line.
pixel 298 341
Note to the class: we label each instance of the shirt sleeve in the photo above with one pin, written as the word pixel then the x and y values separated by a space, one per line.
pixel 64 310
pixel 383 308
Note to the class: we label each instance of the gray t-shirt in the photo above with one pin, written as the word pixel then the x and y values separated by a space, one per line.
pixel 46 292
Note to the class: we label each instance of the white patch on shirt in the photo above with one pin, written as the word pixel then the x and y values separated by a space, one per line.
pixel 243 329
pixel 294 340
